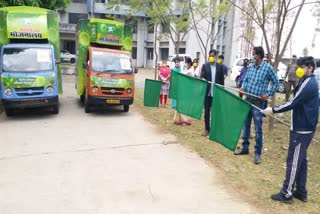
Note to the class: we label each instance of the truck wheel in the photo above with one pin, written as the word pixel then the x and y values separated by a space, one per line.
pixel 87 108
pixel 9 112
pixel 72 60
pixel 55 109
pixel 82 97
pixel 125 108
pixel 238 82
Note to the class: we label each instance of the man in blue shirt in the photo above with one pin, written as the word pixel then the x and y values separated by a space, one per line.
pixel 304 106
pixel 256 82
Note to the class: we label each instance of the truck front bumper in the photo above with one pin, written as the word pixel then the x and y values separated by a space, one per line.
pixel 108 101
pixel 34 102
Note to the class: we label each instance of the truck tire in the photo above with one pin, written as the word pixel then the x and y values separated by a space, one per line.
pixel 72 60
pixel 82 97
pixel 87 108
pixel 9 112
pixel 55 109
pixel 125 108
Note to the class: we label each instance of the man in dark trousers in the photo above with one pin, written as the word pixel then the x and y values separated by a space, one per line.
pixel 213 73
pixel 305 107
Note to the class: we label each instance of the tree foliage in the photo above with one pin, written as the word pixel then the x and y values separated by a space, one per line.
pixel 49 4
pixel 205 15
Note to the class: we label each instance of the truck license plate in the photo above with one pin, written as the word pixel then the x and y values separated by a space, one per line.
pixel 113 101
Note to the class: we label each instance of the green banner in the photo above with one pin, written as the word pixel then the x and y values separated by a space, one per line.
pixel 228 116
pixel 26 82
pixel 152 93
pixel 110 82
pixel 27 25
pixel 189 93
pixel 109 33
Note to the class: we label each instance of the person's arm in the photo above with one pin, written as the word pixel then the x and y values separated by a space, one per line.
pixel 275 82
pixel 300 97
pixel 287 72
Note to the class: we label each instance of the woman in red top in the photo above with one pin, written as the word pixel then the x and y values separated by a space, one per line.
pixel 164 76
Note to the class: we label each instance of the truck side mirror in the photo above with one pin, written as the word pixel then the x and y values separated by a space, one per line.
pixel 85 65
pixel 135 70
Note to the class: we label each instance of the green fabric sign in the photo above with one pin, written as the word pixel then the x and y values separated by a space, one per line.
pixel 27 81
pixel 152 92
pixel 27 25
pixel 228 116
pixel 189 93
pixel 110 82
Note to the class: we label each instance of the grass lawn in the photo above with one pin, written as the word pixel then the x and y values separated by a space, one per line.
pixel 256 183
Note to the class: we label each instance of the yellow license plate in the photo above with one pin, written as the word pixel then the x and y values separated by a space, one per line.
pixel 113 101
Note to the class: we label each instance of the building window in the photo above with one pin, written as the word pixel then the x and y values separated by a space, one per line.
pixel 198 55
pixel 134 53
pixel 69 45
pixel 182 50
pixel 223 49
pixel 150 25
pixel 218 49
pixel 75 17
pixel 165 28
pixel 79 1
pixel 164 53
pixel 149 53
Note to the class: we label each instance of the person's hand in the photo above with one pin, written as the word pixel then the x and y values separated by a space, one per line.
pixel 267 111
pixel 241 91
pixel 264 97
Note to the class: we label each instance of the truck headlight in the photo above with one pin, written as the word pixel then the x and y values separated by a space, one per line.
pixel 50 90
pixel 8 91
pixel 95 90
pixel 129 91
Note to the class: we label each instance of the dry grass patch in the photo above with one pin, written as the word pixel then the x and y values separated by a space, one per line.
pixel 256 183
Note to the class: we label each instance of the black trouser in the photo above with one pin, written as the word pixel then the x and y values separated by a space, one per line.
pixel 207 110
pixel 297 164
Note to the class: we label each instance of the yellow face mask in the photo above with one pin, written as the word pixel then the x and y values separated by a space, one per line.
pixel 220 61
pixel 195 64
pixel 164 65
pixel 211 59
pixel 300 72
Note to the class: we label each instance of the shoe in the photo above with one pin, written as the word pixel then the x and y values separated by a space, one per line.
pixel 257 159
pixel 300 196
pixel 281 198
pixel 205 133
pixel 241 152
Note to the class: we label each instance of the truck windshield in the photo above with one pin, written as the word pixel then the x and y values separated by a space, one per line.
pixel 27 59
pixel 114 63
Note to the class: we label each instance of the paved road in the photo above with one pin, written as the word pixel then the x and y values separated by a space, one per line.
pixel 77 163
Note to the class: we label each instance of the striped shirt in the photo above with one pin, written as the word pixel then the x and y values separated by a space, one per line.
pixel 258 78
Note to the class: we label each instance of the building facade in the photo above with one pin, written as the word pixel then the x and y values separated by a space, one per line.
pixel 143 53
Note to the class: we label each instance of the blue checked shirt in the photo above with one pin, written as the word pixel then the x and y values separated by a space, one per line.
pixel 258 78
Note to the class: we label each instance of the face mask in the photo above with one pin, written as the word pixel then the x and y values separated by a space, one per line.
pixel 195 64
pixel 164 65
pixel 300 72
pixel 211 59
pixel 177 65
pixel 253 60
pixel 220 61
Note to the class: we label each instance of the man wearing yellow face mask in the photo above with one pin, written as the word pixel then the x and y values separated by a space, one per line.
pixel 213 73
pixel 305 107
pixel 256 82
pixel 225 68
pixel 196 68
